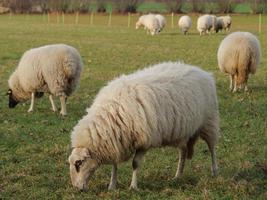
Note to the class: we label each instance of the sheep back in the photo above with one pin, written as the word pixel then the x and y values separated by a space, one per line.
pixel 239 51
pixel 162 105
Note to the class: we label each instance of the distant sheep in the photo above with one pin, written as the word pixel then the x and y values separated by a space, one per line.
pixel 150 23
pixel 223 22
pixel 204 24
pixel 162 22
pixel 214 23
pixel 54 69
pixel 238 55
pixel 185 23
pixel 169 104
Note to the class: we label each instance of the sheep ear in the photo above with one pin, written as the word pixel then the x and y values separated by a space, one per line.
pixel 9 92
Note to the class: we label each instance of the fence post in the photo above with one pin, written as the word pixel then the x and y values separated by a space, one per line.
pixel 172 20
pixel 77 17
pixel 63 18
pixel 92 18
pixel 260 23
pixel 129 19
pixel 109 19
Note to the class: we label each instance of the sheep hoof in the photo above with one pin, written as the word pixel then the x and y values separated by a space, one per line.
pixel 54 110
pixel 133 187
pixel 30 110
pixel 111 187
pixel 63 114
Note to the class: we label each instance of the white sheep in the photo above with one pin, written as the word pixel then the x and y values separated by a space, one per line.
pixel 238 55
pixel 185 23
pixel 54 69
pixel 150 23
pixel 169 104
pixel 214 22
pixel 204 24
pixel 223 22
pixel 162 21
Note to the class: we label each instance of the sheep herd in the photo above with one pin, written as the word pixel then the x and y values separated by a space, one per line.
pixel 168 104
pixel 154 23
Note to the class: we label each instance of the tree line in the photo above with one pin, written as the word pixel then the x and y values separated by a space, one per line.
pixel 125 6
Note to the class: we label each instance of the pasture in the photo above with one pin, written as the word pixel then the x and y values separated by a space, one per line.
pixel 34 147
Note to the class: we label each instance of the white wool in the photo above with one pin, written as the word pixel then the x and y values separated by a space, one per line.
pixel 162 21
pixel 204 24
pixel 185 23
pixel 53 68
pixel 150 22
pixel 165 104
pixel 223 22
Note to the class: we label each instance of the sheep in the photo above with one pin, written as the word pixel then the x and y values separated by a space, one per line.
pixel 223 22
pixel 162 22
pixel 150 23
pixel 204 24
pixel 169 104
pixel 184 23
pixel 238 55
pixel 54 69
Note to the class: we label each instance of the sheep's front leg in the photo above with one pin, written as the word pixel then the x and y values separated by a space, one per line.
pixel 231 82
pixel 235 83
pixel 54 108
pixel 32 102
pixel 63 111
pixel 136 164
pixel 181 163
pixel 113 179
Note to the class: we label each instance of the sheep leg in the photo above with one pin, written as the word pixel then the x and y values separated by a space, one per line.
pixel 32 102
pixel 210 140
pixel 136 164
pixel 54 108
pixel 231 83
pixel 63 111
pixel 113 179
pixel 181 163
pixel 235 83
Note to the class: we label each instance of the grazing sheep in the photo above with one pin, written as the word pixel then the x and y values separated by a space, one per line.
pixel 223 22
pixel 238 55
pixel 150 23
pixel 184 23
pixel 54 69
pixel 169 104
pixel 162 21
pixel 204 24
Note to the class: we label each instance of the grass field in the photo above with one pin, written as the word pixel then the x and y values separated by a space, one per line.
pixel 34 147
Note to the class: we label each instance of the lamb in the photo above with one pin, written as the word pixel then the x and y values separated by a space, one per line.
pixel 54 69
pixel 169 104
pixel 238 55
pixel 184 23
pixel 150 23
pixel 223 22
pixel 162 22
pixel 204 24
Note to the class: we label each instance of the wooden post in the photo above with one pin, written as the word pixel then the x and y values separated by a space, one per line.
pixel 77 18
pixel 92 18
pixel 63 18
pixel 48 17
pixel 109 19
pixel 129 19
pixel 260 23
pixel 172 20
pixel 57 17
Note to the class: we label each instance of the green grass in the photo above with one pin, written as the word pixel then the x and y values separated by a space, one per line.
pixel 34 147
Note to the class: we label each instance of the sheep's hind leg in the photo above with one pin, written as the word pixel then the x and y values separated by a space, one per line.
pixel 181 163
pixel 54 108
pixel 231 82
pixel 113 179
pixel 63 111
pixel 136 164
pixel 32 102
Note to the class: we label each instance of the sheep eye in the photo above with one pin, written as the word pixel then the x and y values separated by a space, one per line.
pixel 77 164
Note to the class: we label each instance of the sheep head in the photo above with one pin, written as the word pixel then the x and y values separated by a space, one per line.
pixel 82 167
pixel 12 102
